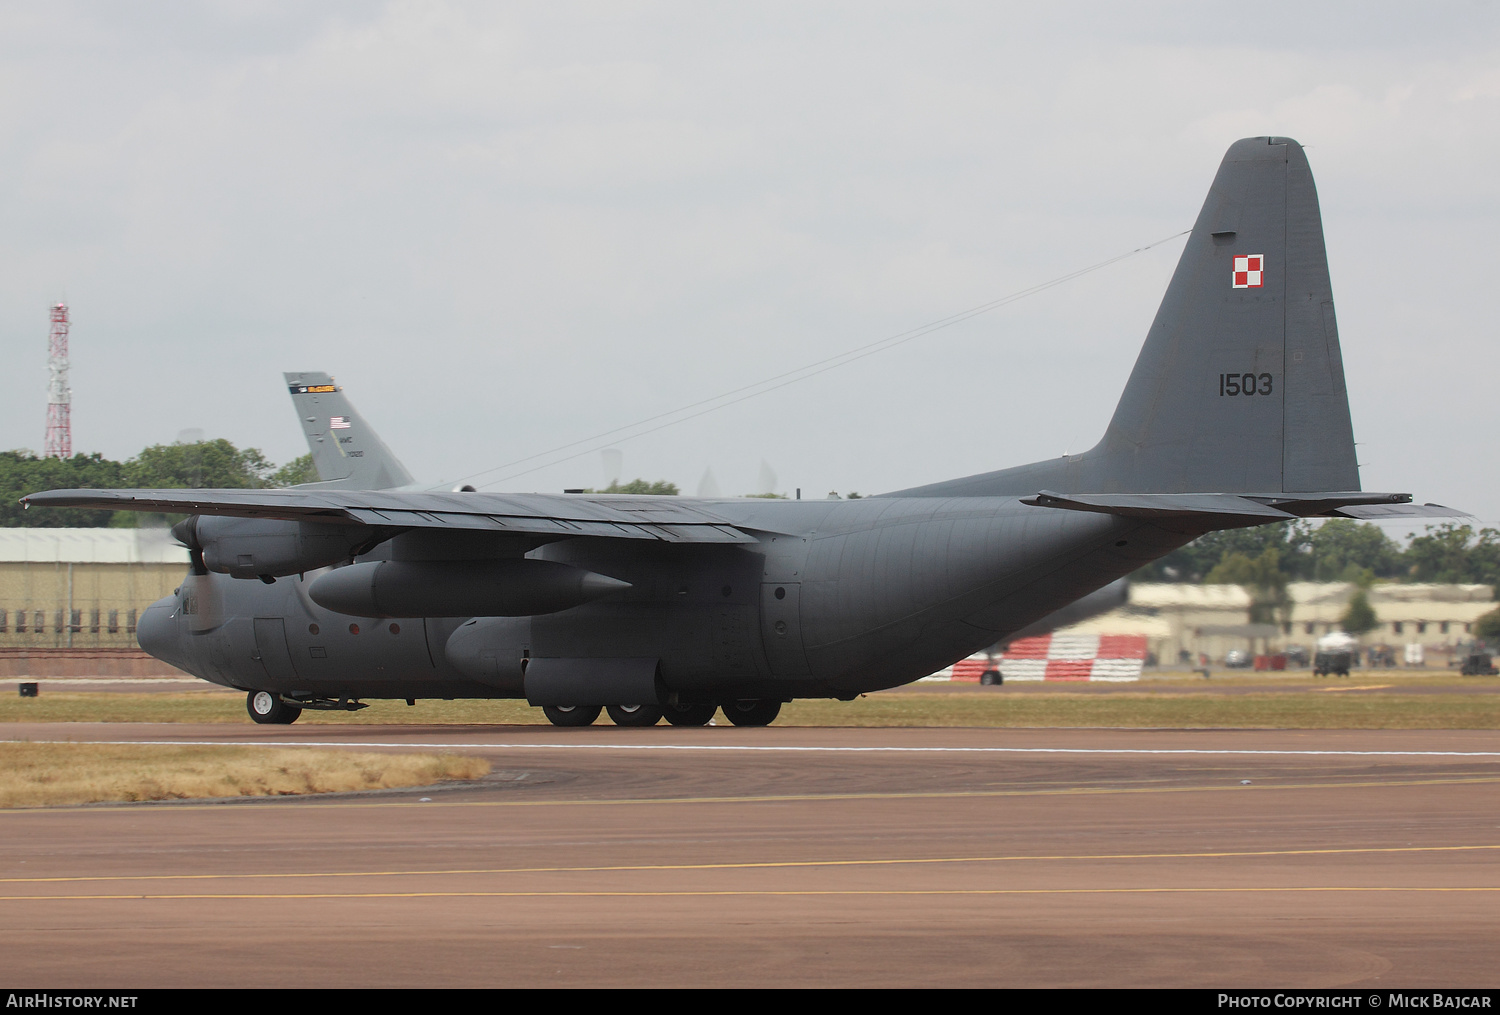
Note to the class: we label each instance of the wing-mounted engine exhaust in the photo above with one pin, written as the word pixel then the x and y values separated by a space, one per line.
pixel 271 548
pixel 518 587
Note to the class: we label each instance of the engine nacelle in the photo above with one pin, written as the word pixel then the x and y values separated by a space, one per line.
pixel 516 587
pixel 253 547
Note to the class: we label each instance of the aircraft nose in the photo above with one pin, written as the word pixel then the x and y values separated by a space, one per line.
pixel 157 630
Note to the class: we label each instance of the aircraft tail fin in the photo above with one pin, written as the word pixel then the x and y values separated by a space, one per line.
pixel 1239 387
pixel 346 451
pixel 1240 384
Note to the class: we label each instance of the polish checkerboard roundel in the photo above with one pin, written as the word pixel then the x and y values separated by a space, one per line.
pixel 1249 271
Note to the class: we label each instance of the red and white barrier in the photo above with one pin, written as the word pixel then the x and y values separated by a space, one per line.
pixel 1117 657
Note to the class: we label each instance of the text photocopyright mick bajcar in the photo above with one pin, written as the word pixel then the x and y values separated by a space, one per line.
pixel 1382 999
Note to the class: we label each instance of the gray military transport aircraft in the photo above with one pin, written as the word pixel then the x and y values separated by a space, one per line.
pixel 321 595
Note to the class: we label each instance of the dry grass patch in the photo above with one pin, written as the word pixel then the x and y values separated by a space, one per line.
pixel 33 775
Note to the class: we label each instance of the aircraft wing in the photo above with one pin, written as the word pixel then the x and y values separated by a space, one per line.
pixel 619 517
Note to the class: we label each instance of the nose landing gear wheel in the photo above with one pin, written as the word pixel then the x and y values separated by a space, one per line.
pixel 634 715
pixel 752 712
pixel 265 707
pixel 690 715
pixel 571 715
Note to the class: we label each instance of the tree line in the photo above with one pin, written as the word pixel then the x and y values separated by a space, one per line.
pixel 1337 550
pixel 1266 559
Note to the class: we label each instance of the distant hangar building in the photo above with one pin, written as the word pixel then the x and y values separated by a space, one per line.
pixel 82 590
pixel 1212 619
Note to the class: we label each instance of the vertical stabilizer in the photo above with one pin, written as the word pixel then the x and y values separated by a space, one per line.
pixel 1240 384
pixel 1239 387
pixel 346 452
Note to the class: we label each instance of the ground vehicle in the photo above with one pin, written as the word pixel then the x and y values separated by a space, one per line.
pixel 1237 659
pixel 1478 664
pixel 1334 663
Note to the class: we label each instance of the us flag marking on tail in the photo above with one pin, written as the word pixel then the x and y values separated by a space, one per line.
pixel 338 423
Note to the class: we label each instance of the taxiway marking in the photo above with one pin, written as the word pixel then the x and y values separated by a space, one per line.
pixel 251 897
pixel 754 865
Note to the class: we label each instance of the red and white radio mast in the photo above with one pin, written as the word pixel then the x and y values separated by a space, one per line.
pixel 59 395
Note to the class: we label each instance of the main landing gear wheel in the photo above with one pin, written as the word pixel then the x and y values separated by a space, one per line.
pixel 761 712
pixel 265 707
pixel 634 715
pixel 690 715
pixel 571 715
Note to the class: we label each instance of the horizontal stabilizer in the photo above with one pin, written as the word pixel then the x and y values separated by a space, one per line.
pixel 1158 505
pixel 665 519
pixel 1221 510
pixel 1380 512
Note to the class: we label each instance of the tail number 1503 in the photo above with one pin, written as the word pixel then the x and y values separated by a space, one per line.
pixel 1244 384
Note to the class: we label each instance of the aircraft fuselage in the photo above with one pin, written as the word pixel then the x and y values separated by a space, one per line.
pixel 836 598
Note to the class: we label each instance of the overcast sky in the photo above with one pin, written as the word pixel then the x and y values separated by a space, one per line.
pixel 508 227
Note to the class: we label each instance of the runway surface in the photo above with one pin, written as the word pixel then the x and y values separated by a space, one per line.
pixel 787 857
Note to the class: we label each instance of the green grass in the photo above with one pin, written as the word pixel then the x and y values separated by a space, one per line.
pixel 1173 707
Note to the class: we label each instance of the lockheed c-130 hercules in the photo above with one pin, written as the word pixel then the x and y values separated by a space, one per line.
pixel 322 595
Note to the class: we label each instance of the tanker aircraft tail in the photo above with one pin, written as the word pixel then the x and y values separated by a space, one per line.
pixel 346 451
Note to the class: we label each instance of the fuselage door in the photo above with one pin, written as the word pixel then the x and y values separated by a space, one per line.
pixel 271 646
pixel 781 628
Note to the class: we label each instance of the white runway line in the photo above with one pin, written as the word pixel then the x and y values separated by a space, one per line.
pixel 778 749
